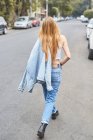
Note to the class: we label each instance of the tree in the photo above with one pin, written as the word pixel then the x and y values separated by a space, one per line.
pixel 9 11
pixel 88 13
pixel 2 8
pixel 18 7
pixel 80 7
pixel 54 11
pixel 64 6
pixel 90 4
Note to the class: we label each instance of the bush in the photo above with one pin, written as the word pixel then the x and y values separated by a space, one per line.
pixel 54 11
pixel 88 13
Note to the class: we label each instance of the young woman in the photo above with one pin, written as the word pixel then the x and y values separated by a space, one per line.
pixel 52 39
pixel 45 66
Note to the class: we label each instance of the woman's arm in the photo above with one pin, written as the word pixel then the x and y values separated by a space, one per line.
pixel 66 51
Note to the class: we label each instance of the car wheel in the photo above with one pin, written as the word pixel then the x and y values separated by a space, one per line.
pixel 90 54
pixel 27 26
pixel 87 37
pixel 36 24
pixel 5 31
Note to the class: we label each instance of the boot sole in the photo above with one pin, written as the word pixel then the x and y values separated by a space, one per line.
pixel 40 135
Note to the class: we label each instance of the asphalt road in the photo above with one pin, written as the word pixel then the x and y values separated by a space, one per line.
pixel 20 113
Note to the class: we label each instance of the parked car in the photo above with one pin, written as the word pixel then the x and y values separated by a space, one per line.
pixel 23 22
pixel 90 45
pixel 55 18
pixel 68 18
pixel 78 18
pixel 60 19
pixel 35 21
pixel 89 28
pixel 83 19
pixel 3 26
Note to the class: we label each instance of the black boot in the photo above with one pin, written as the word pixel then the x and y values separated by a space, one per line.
pixel 41 130
pixel 54 115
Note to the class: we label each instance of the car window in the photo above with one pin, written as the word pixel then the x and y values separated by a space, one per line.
pixel 21 19
pixel 1 26
pixel 32 18
pixel 29 19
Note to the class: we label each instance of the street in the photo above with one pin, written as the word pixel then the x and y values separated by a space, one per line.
pixel 20 113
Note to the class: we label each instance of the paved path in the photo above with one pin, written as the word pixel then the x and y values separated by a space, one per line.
pixel 20 114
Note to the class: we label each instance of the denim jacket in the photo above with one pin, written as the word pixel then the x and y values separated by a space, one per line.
pixel 37 69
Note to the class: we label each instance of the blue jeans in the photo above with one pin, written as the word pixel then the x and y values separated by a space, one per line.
pixel 50 96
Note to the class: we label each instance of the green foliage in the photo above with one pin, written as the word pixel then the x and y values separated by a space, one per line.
pixel 25 7
pixel 10 9
pixel 2 8
pixel 7 10
pixel 79 6
pixel 54 11
pixel 18 8
pixel 88 13
pixel 36 5
pixel 66 8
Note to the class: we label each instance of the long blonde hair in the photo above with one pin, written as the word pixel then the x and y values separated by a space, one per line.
pixel 50 36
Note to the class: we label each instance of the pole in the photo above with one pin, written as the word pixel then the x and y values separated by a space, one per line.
pixel 30 7
pixel 46 8
pixel 90 4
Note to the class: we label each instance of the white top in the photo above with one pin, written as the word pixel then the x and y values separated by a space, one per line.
pixel 59 53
